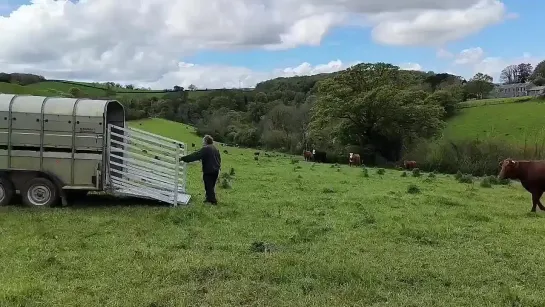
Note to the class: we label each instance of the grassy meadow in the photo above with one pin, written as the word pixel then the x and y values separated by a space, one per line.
pixel 286 233
pixel 514 122
pixel 53 89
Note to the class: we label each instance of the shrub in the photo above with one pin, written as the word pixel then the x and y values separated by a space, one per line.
pixel 328 190
pixel 493 179
pixel 413 189
pixel 485 183
pixel 475 157
pixel 431 175
pixel 365 172
pixel 466 178
pixel 381 171
pixel 458 175
pixel 404 174
pixel 232 171
pixel 416 172
pixel 294 161
pixel 225 184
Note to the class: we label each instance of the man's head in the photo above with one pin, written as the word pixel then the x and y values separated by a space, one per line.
pixel 508 169
pixel 207 140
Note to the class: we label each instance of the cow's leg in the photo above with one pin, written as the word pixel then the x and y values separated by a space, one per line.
pixel 539 204
pixel 535 201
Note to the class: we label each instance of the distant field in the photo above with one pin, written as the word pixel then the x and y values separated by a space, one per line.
pixel 494 101
pixel 52 89
pixel 288 233
pixel 514 122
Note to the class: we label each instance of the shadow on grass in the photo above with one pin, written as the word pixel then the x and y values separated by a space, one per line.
pixel 100 200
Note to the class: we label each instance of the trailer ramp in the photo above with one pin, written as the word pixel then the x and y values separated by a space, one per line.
pixel 145 165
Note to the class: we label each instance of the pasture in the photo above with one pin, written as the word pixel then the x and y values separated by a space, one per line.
pixel 514 122
pixel 53 89
pixel 286 233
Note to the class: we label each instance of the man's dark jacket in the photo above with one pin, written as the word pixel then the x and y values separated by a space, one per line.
pixel 209 156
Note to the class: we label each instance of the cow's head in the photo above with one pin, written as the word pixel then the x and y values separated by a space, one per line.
pixel 351 155
pixel 508 169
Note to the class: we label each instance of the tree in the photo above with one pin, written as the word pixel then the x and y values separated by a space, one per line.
pixel 368 106
pixel 516 73
pixel 509 74
pixel 192 87
pixel 75 92
pixel 524 71
pixel 539 81
pixel 480 85
pixel 539 71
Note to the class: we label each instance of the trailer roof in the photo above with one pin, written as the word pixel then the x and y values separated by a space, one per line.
pixel 54 105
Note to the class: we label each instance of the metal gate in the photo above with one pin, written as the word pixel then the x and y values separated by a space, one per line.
pixel 145 165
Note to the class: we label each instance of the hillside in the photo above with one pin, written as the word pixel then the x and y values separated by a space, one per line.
pixel 287 233
pixel 515 121
pixel 321 112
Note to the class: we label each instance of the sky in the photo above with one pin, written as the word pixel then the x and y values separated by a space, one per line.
pixel 238 43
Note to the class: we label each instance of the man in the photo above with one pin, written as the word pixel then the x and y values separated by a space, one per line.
pixel 211 165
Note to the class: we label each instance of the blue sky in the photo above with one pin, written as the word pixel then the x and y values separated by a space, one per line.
pixel 493 47
pixel 510 39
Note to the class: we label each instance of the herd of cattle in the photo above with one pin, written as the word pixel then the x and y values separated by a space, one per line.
pixel 531 174
pixel 353 158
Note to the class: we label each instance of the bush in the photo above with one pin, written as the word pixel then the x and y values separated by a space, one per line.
pixel 458 175
pixel 413 189
pixel 225 184
pixel 431 175
pixel 493 179
pixel 232 171
pixel 416 172
pixel 475 157
pixel 381 171
pixel 466 178
pixel 404 174
pixel 294 161
pixel 485 183
pixel 365 172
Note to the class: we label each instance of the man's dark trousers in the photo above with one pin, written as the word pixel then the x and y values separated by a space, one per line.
pixel 209 185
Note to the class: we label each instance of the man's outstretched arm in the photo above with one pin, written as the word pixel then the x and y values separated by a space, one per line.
pixel 197 155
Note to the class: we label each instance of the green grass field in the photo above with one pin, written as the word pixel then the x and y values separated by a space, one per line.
pixel 286 234
pixel 515 122
pixel 52 89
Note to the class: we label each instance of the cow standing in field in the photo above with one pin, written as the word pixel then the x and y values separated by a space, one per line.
pixel 354 159
pixel 307 155
pixel 319 156
pixel 409 164
pixel 531 175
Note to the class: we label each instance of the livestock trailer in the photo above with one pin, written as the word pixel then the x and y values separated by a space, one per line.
pixel 55 148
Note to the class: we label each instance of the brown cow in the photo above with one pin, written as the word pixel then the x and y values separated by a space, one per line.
pixel 531 175
pixel 308 155
pixel 354 159
pixel 409 164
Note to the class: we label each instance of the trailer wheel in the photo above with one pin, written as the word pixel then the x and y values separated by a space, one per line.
pixel 40 192
pixel 6 191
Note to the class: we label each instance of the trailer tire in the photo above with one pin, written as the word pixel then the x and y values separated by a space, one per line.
pixel 7 190
pixel 40 192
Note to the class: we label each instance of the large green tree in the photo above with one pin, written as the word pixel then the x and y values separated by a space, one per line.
pixel 480 85
pixel 369 105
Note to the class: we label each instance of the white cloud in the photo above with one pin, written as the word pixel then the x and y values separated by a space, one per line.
pixel 474 60
pixel 410 66
pixel 469 56
pixel 436 27
pixel 144 41
pixel 218 76
pixel 444 54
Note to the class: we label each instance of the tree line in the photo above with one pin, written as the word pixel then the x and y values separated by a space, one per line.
pixel 375 109
pixel 523 73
